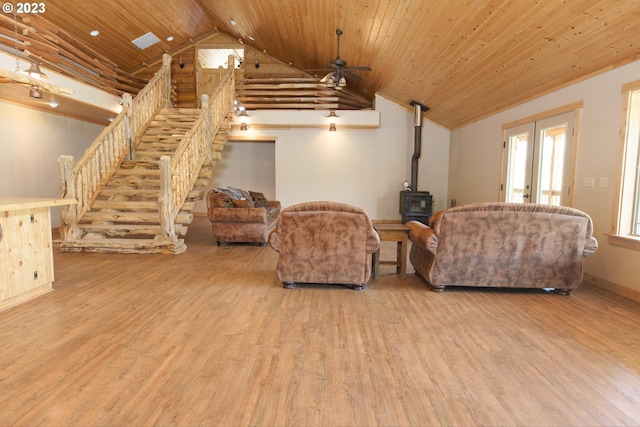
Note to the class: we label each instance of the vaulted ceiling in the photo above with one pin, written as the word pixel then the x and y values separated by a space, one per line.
pixel 465 59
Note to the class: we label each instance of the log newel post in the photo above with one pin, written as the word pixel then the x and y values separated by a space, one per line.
pixel 165 202
pixel 166 61
pixel 206 106
pixel 127 105
pixel 69 229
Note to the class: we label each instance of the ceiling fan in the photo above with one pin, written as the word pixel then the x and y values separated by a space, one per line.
pixel 339 70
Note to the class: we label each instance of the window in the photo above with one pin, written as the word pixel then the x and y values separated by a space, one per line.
pixel 626 230
pixel 538 157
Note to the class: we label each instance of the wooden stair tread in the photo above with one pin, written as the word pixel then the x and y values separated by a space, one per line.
pixel 126 229
pixel 145 193
pixel 132 246
pixel 133 217
pixel 124 204
pixel 131 164
pixel 137 172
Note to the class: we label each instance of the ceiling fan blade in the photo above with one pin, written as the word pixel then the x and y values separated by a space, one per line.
pixel 352 76
pixel 325 78
pixel 358 68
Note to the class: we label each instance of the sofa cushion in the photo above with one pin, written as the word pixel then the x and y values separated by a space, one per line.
pixel 241 203
pixel 259 199
pixel 221 200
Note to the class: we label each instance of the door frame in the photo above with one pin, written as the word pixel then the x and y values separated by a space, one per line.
pixel 576 108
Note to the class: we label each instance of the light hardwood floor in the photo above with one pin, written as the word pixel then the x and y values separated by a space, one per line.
pixel 210 337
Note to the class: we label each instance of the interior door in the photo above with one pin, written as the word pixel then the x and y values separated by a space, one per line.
pixel 538 161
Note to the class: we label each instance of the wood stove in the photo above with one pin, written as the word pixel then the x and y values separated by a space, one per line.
pixel 416 205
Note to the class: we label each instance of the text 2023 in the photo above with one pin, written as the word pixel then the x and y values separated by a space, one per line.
pixel 30 7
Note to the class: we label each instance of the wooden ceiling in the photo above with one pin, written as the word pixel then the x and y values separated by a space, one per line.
pixel 465 59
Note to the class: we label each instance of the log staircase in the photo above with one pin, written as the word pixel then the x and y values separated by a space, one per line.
pixel 139 182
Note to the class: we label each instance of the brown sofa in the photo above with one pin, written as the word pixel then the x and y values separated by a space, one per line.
pixel 324 242
pixel 240 216
pixel 503 245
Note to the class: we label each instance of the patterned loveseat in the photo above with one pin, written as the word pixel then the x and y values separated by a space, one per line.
pixel 240 216
pixel 503 245
pixel 324 242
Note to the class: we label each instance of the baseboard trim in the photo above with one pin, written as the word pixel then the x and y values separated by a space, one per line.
pixel 611 286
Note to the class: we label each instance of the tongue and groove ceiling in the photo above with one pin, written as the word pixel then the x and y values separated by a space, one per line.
pixel 465 59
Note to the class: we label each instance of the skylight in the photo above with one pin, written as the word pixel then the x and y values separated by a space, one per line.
pixel 145 41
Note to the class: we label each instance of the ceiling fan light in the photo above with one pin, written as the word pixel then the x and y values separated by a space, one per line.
pixel 331 82
pixel 342 82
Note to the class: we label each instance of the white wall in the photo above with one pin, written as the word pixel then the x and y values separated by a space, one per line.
pixel 364 168
pixel 475 162
pixel 245 165
pixel 30 144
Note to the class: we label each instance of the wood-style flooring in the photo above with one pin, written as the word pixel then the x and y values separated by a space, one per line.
pixel 210 338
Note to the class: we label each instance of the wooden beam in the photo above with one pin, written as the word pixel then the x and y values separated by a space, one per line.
pixel 46 87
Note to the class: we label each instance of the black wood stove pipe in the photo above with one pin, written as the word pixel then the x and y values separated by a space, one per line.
pixel 418 109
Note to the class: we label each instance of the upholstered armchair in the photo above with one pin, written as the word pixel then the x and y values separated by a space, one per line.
pixel 510 245
pixel 324 242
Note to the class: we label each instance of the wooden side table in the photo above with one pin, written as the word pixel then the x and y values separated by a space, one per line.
pixel 391 231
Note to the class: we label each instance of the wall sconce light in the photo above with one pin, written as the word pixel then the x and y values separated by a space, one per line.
pixel 332 120
pixel 243 119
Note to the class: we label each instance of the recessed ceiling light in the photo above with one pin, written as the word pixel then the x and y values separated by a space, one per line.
pixel 233 22
pixel 94 33
pixel 170 38
pixel 53 104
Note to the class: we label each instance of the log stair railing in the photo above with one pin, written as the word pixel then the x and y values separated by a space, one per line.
pixel 138 184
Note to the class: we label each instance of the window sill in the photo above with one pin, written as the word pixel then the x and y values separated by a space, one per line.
pixel 629 242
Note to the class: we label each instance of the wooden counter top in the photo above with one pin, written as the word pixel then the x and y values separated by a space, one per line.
pixel 19 203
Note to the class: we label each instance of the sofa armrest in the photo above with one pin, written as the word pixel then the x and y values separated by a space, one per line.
pixel 373 241
pixel 590 246
pixel 274 204
pixel 423 236
pixel 251 215
pixel 275 239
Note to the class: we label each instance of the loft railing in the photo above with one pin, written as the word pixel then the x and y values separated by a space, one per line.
pixel 178 173
pixel 83 180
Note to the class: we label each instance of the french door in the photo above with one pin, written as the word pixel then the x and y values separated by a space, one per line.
pixel 537 161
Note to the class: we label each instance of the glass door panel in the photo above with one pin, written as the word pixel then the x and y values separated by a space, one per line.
pixel 517 168
pixel 538 160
